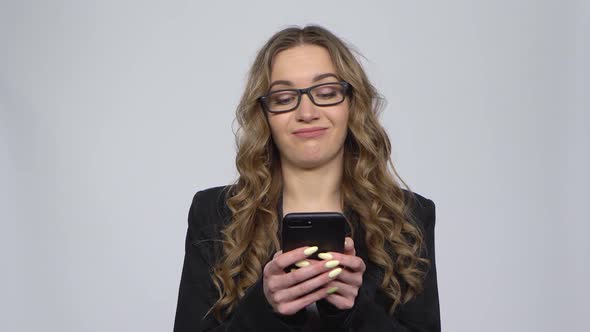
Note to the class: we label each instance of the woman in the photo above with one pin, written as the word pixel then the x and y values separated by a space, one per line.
pixel 309 140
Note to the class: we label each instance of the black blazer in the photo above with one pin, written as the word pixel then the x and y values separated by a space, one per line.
pixel 207 216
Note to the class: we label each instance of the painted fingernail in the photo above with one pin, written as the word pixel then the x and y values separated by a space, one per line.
pixel 302 263
pixel 325 256
pixel 331 264
pixel 331 290
pixel 334 273
pixel 310 250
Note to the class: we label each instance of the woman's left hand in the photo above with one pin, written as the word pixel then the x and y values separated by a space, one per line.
pixel 350 280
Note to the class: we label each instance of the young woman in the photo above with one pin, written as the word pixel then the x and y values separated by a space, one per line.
pixel 309 141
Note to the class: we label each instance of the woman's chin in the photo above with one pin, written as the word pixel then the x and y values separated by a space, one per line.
pixel 313 159
pixel 310 163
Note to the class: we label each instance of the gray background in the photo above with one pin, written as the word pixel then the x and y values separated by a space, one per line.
pixel 113 113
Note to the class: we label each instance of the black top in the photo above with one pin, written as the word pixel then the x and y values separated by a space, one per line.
pixel 207 216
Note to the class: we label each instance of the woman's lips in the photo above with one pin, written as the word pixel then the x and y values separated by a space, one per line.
pixel 310 133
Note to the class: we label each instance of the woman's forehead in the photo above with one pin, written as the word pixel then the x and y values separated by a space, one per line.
pixel 301 64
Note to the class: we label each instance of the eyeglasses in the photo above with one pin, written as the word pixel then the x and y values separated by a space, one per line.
pixel 286 100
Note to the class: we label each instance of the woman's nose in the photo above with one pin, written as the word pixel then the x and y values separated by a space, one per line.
pixel 307 110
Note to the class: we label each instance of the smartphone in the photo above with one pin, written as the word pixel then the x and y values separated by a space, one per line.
pixel 322 229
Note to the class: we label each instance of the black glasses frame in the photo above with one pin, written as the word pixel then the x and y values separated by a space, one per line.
pixel 345 91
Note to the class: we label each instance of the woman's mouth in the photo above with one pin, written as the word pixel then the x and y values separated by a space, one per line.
pixel 310 132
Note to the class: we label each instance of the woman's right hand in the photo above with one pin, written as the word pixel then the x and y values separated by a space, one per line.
pixel 289 292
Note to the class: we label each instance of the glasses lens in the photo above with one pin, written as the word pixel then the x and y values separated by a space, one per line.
pixel 281 101
pixel 327 94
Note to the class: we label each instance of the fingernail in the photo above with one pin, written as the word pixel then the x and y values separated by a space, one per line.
pixel 293 269
pixel 334 273
pixel 310 250
pixel 331 290
pixel 331 264
pixel 302 263
pixel 325 256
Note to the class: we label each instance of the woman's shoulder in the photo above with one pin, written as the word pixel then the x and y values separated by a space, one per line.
pixel 421 207
pixel 209 211
pixel 212 197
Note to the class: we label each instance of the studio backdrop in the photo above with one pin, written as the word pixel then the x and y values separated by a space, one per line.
pixel 114 113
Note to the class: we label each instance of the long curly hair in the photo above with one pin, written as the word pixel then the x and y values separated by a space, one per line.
pixel 393 238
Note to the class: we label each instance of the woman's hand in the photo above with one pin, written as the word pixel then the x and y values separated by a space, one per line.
pixel 290 292
pixel 350 280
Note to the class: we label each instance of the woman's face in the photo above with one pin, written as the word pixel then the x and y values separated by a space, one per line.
pixel 302 67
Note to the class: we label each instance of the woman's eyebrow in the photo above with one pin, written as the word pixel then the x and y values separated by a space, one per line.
pixel 315 79
pixel 322 76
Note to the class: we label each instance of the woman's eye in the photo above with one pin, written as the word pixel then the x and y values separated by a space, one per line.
pixel 282 99
pixel 327 93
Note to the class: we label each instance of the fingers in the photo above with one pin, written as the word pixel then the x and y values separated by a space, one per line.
pixel 340 301
pixel 353 263
pixel 354 279
pixel 337 277
pixel 348 282
pixel 349 246
pixel 300 289
pixel 277 254
pixel 344 289
pixel 281 261
pixel 286 280
pixel 292 307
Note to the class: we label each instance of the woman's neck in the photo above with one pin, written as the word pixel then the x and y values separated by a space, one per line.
pixel 314 190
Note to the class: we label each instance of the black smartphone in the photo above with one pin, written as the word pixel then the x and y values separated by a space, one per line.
pixel 322 229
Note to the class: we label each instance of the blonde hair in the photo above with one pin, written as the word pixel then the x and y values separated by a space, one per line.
pixel 393 239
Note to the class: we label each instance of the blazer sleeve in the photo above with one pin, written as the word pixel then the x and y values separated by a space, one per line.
pixel 197 292
pixel 422 314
